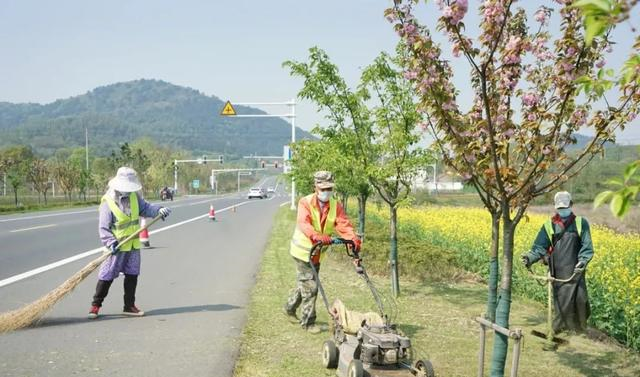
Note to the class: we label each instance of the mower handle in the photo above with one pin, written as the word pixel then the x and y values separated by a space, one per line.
pixel 350 248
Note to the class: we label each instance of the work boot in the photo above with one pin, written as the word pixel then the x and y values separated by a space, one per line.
pixel 132 311
pixel 291 316
pixel 313 329
pixel 93 313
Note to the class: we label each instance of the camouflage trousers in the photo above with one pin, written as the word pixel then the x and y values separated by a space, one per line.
pixel 304 294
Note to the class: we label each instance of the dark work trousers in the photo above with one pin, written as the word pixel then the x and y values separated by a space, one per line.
pixel 102 289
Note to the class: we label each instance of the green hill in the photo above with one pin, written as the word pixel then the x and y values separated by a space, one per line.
pixel 169 114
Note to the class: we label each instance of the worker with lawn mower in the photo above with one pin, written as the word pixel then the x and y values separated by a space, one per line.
pixel 119 213
pixel 319 215
pixel 564 243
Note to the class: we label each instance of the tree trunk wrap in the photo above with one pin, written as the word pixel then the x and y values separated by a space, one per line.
pixel 393 253
pixel 492 297
pixel 503 308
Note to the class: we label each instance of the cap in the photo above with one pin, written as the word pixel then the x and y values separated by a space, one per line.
pixel 126 180
pixel 323 179
pixel 562 199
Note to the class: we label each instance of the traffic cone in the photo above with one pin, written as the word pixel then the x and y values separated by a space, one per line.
pixel 212 213
pixel 144 235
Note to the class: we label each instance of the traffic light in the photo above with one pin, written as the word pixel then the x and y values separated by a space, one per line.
pixel 204 160
pixel 262 163
pixel 221 159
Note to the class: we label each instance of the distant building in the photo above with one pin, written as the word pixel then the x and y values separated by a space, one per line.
pixel 424 180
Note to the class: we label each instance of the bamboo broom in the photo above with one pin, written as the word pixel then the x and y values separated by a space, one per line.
pixel 31 313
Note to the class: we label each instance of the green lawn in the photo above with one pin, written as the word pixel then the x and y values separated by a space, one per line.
pixel 437 316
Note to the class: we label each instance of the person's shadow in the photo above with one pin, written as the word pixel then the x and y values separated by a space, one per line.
pixel 64 321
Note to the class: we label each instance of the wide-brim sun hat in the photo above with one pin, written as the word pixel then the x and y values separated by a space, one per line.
pixel 323 179
pixel 126 180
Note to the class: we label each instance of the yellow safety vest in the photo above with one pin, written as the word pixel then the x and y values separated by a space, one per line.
pixel 548 227
pixel 301 244
pixel 125 225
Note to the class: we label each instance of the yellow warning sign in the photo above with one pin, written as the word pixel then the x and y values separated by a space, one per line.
pixel 228 109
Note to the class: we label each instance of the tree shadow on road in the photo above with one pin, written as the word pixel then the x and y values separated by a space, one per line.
pixel 63 321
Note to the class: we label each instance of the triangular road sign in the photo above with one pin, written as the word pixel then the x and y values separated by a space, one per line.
pixel 228 109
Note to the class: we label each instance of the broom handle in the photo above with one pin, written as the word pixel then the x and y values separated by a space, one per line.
pixel 134 235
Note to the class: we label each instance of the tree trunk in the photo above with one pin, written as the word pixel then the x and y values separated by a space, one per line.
pixel 45 197
pixel 393 254
pixel 345 200
pixel 492 298
pixel 15 195
pixel 362 206
pixel 503 307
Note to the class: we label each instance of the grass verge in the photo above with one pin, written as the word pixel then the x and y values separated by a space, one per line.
pixel 437 316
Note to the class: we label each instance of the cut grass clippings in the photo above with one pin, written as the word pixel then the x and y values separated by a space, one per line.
pixel 438 317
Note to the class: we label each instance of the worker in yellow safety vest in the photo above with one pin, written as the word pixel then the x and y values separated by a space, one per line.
pixel 319 216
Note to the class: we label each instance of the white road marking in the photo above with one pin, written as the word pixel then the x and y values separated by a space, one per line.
pixel 284 204
pixel 48 215
pixel 74 258
pixel 32 228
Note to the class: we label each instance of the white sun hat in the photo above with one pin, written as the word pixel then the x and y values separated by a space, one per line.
pixel 126 180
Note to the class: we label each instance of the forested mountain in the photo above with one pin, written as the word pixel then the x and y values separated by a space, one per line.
pixel 172 115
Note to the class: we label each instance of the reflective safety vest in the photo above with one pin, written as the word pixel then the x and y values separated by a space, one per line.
pixel 125 225
pixel 548 227
pixel 300 243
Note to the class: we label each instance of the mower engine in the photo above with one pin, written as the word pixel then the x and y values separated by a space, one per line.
pixel 381 345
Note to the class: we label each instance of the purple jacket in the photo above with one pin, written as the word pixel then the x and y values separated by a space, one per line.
pixel 106 219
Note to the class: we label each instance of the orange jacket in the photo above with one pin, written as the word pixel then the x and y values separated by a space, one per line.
pixel 342 225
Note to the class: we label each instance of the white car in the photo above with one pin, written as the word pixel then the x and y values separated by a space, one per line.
pixel 271 189
pixel 256 192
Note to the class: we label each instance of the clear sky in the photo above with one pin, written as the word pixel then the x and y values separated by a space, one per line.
pixel 231 49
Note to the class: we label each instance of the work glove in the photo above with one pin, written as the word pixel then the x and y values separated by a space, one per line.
pixel 114 248
pixel 525 260
pixel 324 239
pixel 580 266
pixel 164 212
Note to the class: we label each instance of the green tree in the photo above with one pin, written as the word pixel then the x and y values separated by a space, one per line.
pixel 38 174
pixel 16 161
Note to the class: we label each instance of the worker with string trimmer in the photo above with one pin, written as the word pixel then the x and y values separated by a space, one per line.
pixel 120 210
pixel 564 243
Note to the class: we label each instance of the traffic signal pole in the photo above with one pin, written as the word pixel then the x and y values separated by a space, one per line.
pixel 292 115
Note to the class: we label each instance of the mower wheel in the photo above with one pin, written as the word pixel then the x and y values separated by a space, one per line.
pixel 424 368
pixel 355 369
pixel 330 354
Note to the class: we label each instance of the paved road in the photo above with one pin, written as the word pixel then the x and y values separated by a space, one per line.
pixel 194 287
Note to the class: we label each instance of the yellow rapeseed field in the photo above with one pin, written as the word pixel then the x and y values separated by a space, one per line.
pixel 613 275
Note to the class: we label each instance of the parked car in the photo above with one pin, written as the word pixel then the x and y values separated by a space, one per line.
pixel 256 192
pixel 166 194
pixel 271 189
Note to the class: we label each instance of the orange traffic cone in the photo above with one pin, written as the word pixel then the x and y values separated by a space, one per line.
pixel 144 235
pixel 212 213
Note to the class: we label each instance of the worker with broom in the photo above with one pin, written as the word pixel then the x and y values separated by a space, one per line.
pixel 119 213
pixel 564 243
pixel 319 215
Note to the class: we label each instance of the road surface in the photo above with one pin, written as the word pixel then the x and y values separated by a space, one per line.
pixel 194 287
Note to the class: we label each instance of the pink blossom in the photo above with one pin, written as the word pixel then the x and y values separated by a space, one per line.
pixel 530 99
pixel 531 117
pixel 410 28
pixel 530 160
pixel 500 119
pixel 541 16
pixel 455 49
pixel 571 51
pixel 508 133
pixel 410 75
pixel 631 116
pixel 513 44
pixel 601 63
pixel 546 150
pixel 466 176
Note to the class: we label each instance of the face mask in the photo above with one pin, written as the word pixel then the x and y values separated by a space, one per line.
pixel 324 196
pixel 564 212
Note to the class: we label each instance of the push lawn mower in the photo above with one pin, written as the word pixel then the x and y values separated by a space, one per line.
pixel 366 344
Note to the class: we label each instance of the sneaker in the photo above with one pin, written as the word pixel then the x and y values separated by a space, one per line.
pixel 291 316
pixel 313 329
pixel 93 313
pixel 133 311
